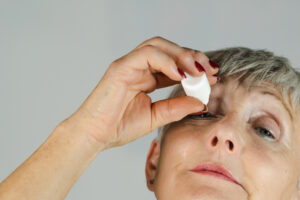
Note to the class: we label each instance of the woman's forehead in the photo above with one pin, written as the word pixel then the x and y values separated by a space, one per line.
pixel 232 90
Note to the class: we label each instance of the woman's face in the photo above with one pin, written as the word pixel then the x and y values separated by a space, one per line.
pixel 249 133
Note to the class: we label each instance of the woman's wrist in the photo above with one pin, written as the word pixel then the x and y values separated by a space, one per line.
pixel 51 171
pixel 82 128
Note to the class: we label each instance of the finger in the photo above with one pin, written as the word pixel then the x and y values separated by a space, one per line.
pixel 206 63
pixel 182 57
pixel 211 72
pixel 163 81
pixel 150 58
pixel 174 109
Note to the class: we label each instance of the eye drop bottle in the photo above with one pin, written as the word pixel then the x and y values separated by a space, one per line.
pixel 197 87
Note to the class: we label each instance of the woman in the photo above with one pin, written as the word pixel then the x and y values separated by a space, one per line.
pixel 242 145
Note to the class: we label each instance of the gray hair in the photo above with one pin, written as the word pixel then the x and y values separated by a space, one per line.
pixel 255 67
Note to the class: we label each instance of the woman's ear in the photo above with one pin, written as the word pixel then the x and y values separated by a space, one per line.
pixel 152 163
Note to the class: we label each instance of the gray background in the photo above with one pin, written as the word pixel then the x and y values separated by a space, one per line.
pixel 53 53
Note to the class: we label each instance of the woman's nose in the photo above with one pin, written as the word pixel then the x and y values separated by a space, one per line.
pixel 228 144
pixel 225 136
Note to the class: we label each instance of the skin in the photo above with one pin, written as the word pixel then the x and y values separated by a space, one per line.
pixel 265 168
pixel 116 112
pixel 119 111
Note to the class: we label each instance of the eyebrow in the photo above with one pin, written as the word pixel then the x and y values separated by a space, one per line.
pixel 279 99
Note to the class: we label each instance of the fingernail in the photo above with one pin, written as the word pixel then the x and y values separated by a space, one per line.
pixel 205 108
pixel 218 78
pixel 203 111
pixel 199 67
pixel 181 73
pixel 213 64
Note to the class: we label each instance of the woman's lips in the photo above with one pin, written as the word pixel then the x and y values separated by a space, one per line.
pixel 215 170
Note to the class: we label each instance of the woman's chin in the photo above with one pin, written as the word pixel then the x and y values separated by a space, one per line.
pixel 209 187
pixel 204 192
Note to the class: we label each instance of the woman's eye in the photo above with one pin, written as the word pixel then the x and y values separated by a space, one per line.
pixel 265 133
pixel 203 115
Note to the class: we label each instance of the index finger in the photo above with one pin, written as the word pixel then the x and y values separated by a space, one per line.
pixel 164 81
pixel 183 57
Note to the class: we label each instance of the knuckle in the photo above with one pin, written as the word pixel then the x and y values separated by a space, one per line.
pixel 157 38
pixel 201 56
pixel 189 49
pixel 184 55
pixel 199 52
pixel 170 110
pixel 149 49
pixel 149 41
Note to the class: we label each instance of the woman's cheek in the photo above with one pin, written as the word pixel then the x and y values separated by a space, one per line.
pixel 262 171
pixel 178 146
pixel 175 156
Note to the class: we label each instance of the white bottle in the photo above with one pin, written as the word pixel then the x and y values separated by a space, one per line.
pixel 197 87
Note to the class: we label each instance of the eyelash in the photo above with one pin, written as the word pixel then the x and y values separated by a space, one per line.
pixel 203 114
pixel 266 134
pixel 269 136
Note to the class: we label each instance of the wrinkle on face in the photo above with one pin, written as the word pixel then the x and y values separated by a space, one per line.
pixel 259 162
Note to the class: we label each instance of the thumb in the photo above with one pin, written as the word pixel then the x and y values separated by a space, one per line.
pixel 174 109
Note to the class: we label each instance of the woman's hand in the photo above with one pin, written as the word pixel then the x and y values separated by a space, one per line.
pixel 119 110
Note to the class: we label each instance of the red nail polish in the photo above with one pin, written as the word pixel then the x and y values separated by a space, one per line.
pixel 197 113
pixel 203 111
pixel 181 73
pixel 199 67
pixel 213 64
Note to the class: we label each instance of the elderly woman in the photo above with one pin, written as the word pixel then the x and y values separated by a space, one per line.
pixel 244 144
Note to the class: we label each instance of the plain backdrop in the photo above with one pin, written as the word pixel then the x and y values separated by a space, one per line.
pixel 54 52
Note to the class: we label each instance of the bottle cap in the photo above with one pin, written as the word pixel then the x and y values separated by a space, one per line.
pixel 197 87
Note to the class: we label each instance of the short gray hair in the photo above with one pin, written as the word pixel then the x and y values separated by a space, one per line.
pixel 255 66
